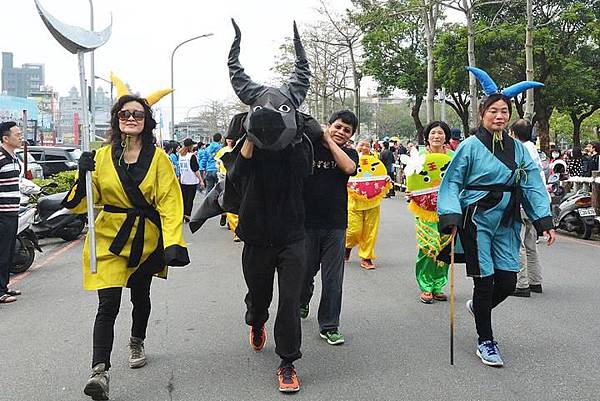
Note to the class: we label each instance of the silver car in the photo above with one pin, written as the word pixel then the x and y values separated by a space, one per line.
pixel 34 170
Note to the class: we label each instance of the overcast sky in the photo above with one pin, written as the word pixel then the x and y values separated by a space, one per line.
pixel 144 34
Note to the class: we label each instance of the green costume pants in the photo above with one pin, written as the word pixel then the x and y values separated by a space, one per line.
pixel 430 276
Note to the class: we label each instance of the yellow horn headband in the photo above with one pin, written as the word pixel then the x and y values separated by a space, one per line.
pixel 122 90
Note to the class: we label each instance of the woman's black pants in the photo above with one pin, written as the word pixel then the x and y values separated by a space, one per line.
pixel 109 300
pixel 189 193
pixel 489 292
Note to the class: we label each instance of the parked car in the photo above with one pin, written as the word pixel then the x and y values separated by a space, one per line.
pixel 54 159
pixel 34 169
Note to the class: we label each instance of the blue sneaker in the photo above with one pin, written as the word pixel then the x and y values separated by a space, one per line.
pixel 489 353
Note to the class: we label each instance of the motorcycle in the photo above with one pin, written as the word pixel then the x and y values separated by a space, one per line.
pixel 52 220
pixel 26 241
pixel 575 214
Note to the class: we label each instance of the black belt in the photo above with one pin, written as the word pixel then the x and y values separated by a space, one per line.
pixel 137 246
pixel 513 209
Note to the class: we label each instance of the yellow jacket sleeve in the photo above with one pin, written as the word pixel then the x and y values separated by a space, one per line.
pixel 76 198
pixel 169 204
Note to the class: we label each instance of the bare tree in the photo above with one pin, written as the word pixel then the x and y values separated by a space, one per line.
pixel 330 65
pixel 349 38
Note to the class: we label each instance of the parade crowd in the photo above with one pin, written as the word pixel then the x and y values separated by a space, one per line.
pixel 301 195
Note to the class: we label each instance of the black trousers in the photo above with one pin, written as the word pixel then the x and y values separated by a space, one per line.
pixel 8 228
pixel 189 193
pixel 325 251
pixel 259 265
pixel 489 292
pixel 109 300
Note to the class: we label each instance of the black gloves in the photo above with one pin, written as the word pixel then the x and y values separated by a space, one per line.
pixel 86 162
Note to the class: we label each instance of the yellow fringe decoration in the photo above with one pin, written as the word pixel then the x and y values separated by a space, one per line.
pixel 423 214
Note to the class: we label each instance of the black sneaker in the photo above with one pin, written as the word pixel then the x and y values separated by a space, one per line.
pixel 223 220
pixel 536 288
pixel 522 292
pixel 97 385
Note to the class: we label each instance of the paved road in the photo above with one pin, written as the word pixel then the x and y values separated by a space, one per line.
pixel 396 348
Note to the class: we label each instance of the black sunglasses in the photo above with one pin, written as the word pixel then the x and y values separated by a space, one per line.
pixel 124 115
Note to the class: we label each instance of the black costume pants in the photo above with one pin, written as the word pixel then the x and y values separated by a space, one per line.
pixel 489 292
pixel 8 228
pixel 259 264
pixel 109 300
pixel 189 193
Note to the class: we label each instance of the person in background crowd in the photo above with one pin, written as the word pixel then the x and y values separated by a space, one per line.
pixel 326 219
pixel 10 198
pixel 200 149
pixel 190 177
pixel 529 277
pixel 455 138
pixel 209 165
pixel 230 218
pixel 376 150
pixel 401 149
pixel 172 150
pixel 591 162
pixel 574 162
pixel 387 158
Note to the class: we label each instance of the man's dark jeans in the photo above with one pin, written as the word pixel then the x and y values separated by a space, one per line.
pixel 325 250
pixel 211 180
pixel 8 228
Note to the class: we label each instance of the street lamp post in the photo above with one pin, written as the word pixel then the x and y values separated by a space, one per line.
pixel 111 87
pixel 187 117
pixel 172 79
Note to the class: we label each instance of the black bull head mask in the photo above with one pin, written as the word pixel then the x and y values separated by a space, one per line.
pixel 271 122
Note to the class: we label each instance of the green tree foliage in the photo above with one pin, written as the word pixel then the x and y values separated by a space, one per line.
pixel 394 50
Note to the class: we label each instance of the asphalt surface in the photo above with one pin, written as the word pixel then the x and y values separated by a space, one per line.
pixel 396 347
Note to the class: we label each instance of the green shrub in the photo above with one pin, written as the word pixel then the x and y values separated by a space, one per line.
pixel 64 180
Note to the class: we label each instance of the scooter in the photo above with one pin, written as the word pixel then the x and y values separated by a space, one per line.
pixel 575 214
pixel 26 241
pixel 52 219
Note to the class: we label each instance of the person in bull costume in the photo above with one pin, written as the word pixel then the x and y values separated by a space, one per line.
pixel 264 186
pixel 490 176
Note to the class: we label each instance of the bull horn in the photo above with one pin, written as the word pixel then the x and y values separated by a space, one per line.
pixel 299 83
pixel 246 89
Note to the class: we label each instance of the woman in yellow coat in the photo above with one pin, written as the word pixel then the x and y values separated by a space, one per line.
pixel 138 231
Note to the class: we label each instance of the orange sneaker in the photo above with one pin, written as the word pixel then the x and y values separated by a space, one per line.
pixel 440 297
pixel 426 297
pixel 288 379
pixel 258 339
pixel 367 264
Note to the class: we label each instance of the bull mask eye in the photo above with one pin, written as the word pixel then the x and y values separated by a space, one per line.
pixel 442 175
pixel 373 168
pixel 359 170
pixel 284 108
pixel 256 108
pixel 426 179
